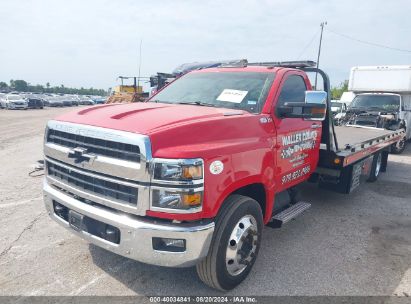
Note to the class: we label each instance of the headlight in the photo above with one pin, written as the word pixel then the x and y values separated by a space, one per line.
pixel 184 170
pixel 178 185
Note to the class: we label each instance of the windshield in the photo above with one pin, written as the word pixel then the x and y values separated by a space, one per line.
pixel 379 102
pixel 240 90
pixel 14 97
pixel 336 105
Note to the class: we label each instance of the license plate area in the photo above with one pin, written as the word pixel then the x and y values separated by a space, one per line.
pixel 80 222
pixel 75 220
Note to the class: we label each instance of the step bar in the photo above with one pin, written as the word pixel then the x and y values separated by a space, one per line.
pixel 288 214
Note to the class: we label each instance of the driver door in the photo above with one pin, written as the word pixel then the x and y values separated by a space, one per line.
pixel 298 140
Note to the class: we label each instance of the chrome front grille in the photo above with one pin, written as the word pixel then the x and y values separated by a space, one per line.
pixel 96 146
pixel 95 185
pixel 101 165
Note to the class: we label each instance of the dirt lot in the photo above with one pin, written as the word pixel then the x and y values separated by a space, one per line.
pixel 358 244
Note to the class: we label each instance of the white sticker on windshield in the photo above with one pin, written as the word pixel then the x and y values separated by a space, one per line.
pixel 234 96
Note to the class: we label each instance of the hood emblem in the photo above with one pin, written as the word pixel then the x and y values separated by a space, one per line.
pixel 80 155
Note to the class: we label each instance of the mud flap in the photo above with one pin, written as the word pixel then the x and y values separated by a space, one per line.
pixel 350 178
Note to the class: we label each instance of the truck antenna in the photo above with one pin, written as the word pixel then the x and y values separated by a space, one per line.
pixel 139 65
pixel 319 52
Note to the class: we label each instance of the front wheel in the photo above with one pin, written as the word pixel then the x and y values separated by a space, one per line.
pixel 235 245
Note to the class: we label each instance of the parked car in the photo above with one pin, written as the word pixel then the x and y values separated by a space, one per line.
pixel 54 101
pixel 14 101
pixel 34 101
pixel 74 100
pixel 67 102
pixel 84 100
pixel 2 96
pixel 338 111
pixel 99 99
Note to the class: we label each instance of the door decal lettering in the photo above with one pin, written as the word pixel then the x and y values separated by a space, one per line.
pixel 294 143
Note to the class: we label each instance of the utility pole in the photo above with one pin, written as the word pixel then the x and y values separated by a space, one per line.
pixel 319 51
pixel 139 65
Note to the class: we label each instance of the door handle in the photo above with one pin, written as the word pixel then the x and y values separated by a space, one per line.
pixel 316 126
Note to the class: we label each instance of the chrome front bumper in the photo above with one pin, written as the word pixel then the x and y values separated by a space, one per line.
pixel 136 233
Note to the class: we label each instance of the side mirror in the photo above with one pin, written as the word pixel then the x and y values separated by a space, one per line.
pixel 313 108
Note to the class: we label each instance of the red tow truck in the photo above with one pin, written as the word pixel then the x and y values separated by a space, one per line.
pixel 191 176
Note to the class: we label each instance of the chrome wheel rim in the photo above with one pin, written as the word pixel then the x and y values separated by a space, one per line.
pixel 242 245
pixel 378 165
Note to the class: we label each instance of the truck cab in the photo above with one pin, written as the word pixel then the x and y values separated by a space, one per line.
pixel 191 176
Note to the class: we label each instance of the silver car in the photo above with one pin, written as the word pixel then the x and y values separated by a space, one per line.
pixel 14 101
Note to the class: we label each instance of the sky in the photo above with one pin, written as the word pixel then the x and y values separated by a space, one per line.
pixel 89 43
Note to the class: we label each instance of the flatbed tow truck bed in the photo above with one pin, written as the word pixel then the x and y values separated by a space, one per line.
pixel 355 149
pixel 356 142
pixel 351 136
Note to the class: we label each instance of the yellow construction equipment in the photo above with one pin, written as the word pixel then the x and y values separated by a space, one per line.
pixel 127 93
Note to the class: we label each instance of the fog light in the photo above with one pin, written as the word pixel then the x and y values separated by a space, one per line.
pixel 171 245
pixel 177 200
pixel 112 234
pixel 60 210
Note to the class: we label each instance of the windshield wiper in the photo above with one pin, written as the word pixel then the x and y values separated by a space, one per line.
pixel 197 103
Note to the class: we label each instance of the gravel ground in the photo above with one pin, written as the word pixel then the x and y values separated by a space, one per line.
pixel 358 244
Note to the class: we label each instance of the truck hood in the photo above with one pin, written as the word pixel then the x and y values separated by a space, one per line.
pixel 145 118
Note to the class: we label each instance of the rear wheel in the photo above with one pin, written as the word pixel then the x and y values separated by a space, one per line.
pixel 398 147
pixel 375 167
pixel 235 245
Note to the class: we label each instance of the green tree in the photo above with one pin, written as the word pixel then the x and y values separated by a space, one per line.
pixel 336 92
pixel 23 86
pixel 3 85
pixel 19 85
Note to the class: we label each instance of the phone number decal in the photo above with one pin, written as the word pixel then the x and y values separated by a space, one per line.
pixel 295 175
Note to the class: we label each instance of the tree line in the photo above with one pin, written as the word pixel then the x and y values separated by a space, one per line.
pixel 24 86
pixel 337 91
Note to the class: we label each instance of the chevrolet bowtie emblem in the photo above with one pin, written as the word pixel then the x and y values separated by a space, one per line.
pixel 80 154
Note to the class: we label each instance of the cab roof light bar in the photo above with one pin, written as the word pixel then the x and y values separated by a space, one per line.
pixel 187 67
pixel 287 64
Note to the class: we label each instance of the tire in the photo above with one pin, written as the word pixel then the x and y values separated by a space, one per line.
pixel 375 168
pixel 238 214
pixel 398 147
